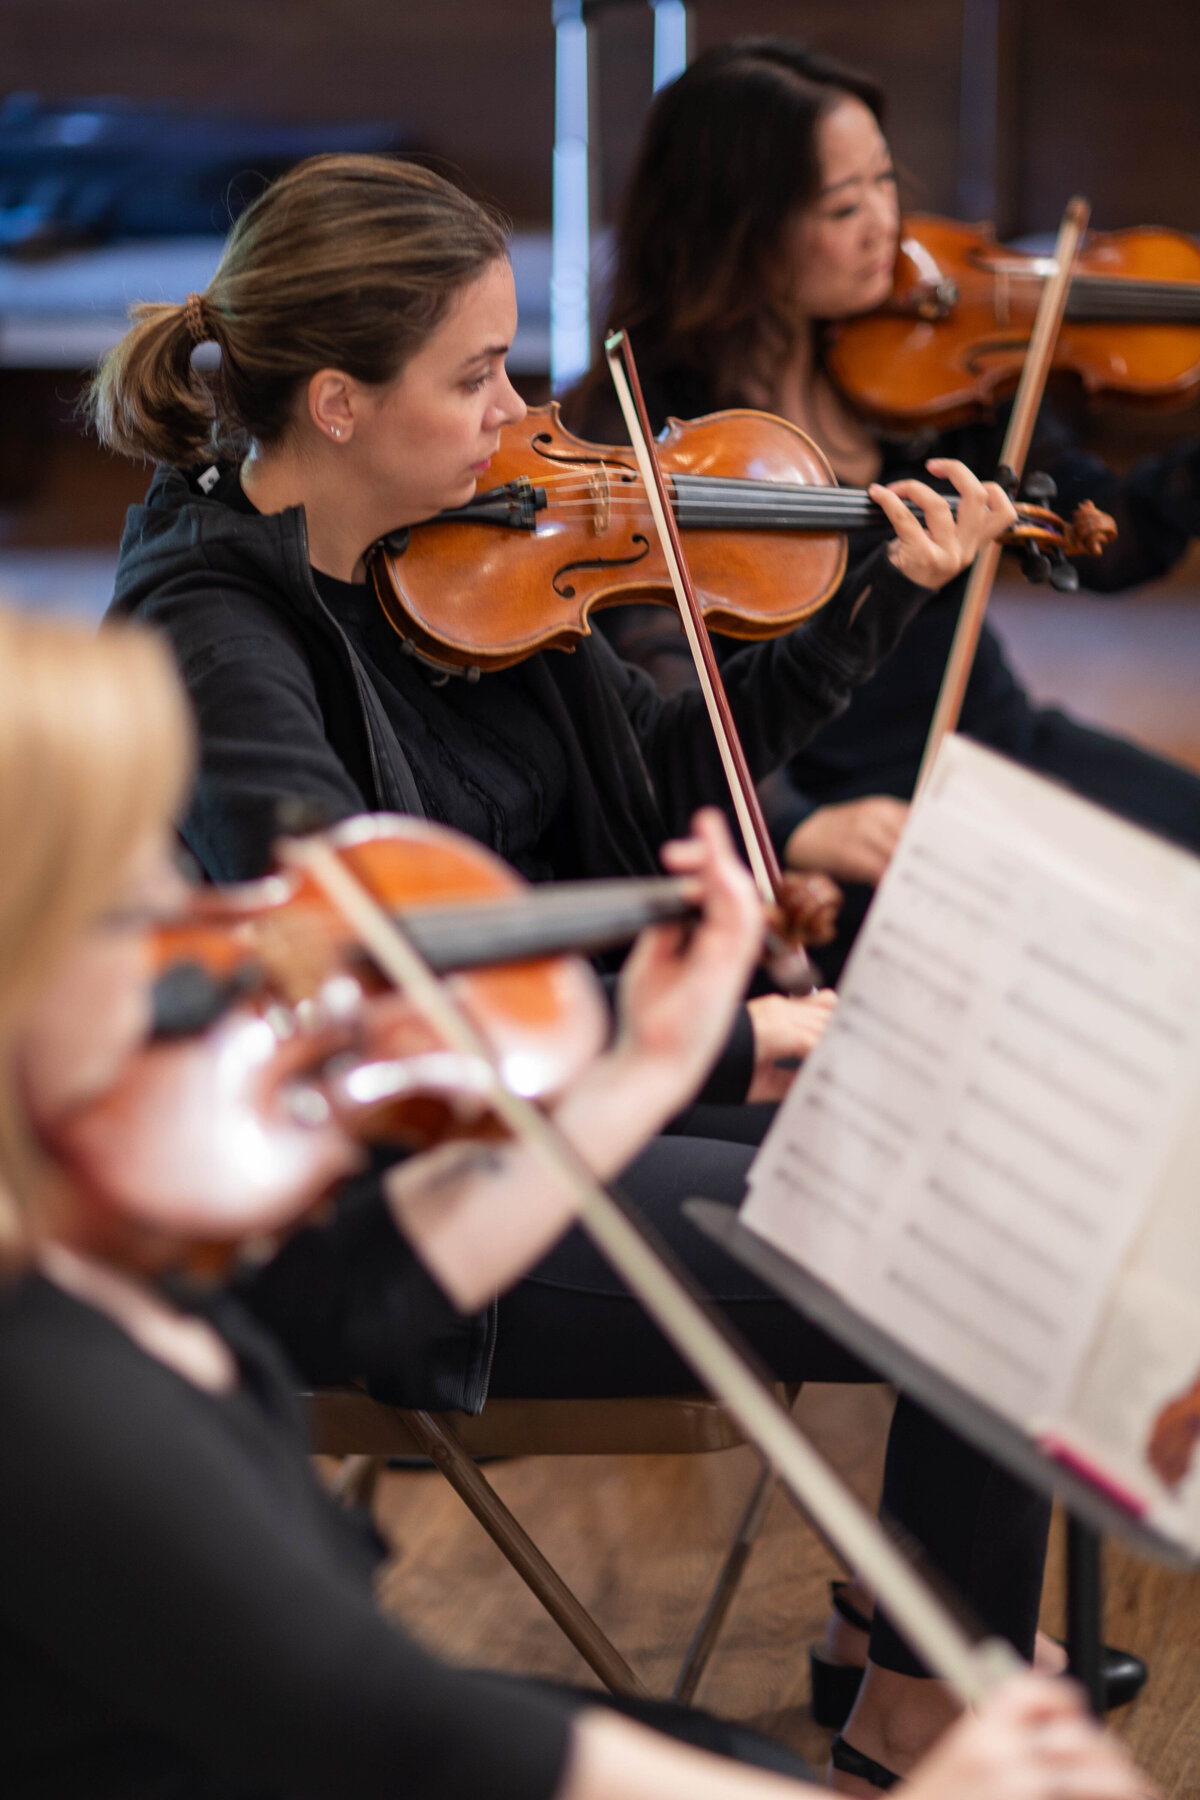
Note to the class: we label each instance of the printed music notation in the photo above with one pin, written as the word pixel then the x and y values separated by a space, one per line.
pixel 972 1156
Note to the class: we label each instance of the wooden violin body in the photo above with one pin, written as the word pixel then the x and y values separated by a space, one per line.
pixel 563 527
pixel 235 1130
pixel 472 594
pixel 279 1047
pixel 952 339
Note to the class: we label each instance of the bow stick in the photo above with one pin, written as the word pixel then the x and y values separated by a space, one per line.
pixel 933 1632
pixel 1046 325
pixel 760 851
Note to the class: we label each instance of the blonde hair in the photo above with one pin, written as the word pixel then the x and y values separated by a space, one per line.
pixel 345 262
pixel 95 750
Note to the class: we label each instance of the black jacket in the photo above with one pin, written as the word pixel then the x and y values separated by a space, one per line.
pixel 292 700
pixel 287 696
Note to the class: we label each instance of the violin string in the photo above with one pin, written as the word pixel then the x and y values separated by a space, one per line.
pixel 723 493
pixel 705 489
pixel 1118 298
pixel 718 501
pixel 824 506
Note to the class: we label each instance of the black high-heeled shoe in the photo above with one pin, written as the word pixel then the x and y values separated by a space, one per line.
pixel 849 1761
pixel 835 1685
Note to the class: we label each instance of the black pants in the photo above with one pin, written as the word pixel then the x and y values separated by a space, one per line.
pixel 570 1330
pixel 1150 790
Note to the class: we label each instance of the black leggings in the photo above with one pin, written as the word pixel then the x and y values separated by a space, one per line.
pixel 571 1330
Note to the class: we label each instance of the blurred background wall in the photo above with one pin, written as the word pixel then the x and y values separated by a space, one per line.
pixel 1099 96
pixel 1089 95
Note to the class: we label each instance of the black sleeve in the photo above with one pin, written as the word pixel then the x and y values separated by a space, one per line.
pixel 149 1555
pixel 262 733
pixel 730 1076
pixel 780 692
pixel 650 637
pixel 1156 508
pixel 350 1300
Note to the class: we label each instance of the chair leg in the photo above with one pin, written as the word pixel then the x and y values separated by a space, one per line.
pixel 728 1580
pixel 709 1629
pixel 572 1618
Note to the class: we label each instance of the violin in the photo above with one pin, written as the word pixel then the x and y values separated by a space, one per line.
pixel 566 528
pixel 951 340
pixel 278 1047
pixel 159 1172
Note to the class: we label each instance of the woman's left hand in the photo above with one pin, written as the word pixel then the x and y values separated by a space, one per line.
pixel 934 552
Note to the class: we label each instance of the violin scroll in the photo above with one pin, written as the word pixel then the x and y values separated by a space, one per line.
pixel 1046 542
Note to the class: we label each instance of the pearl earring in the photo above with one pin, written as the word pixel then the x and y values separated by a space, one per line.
pixel 335 431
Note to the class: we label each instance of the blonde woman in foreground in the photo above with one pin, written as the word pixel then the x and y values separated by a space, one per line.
pixel 183 1612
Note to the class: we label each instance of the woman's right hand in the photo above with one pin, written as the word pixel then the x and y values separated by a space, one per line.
pixel 1030 1740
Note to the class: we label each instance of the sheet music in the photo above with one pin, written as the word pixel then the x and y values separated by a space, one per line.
pixel 972 1149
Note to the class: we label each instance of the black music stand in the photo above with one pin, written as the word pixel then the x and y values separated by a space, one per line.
pixel 1090 1512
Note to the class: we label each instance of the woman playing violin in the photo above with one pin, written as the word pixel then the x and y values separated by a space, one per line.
pixel 183 1611
pixel 362 313
pixel 762 207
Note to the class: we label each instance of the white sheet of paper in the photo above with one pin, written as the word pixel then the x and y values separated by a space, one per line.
pixel 970 1151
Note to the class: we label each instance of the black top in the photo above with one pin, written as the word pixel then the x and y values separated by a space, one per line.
pixel 489 742
pixel 568 765
pixel 294 695
pixel 185 1614
pixel 875 745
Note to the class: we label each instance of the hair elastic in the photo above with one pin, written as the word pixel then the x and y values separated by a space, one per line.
pixel 193 312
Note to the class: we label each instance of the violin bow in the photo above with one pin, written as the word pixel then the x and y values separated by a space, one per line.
pixel 934 1633
pixel 1035 370
pixel 760 851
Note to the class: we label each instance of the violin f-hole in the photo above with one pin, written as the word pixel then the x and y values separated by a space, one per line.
pixel 566 592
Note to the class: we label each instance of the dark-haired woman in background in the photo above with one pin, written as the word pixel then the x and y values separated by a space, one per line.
pixel 761 206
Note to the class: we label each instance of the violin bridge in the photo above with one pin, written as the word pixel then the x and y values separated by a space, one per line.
pixel 601 497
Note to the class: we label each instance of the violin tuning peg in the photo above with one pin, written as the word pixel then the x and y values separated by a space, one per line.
pixel 1064 576
pixel 1040 487
pixel 1007 479
pixel 1036 565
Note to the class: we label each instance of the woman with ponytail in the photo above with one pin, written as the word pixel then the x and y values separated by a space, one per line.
pixel 361 315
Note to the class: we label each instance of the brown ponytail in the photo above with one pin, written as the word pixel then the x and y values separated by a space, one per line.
pixel 147 399
pixel 346 262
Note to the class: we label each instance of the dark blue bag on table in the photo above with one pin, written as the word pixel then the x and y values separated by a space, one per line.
pixel 90 171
